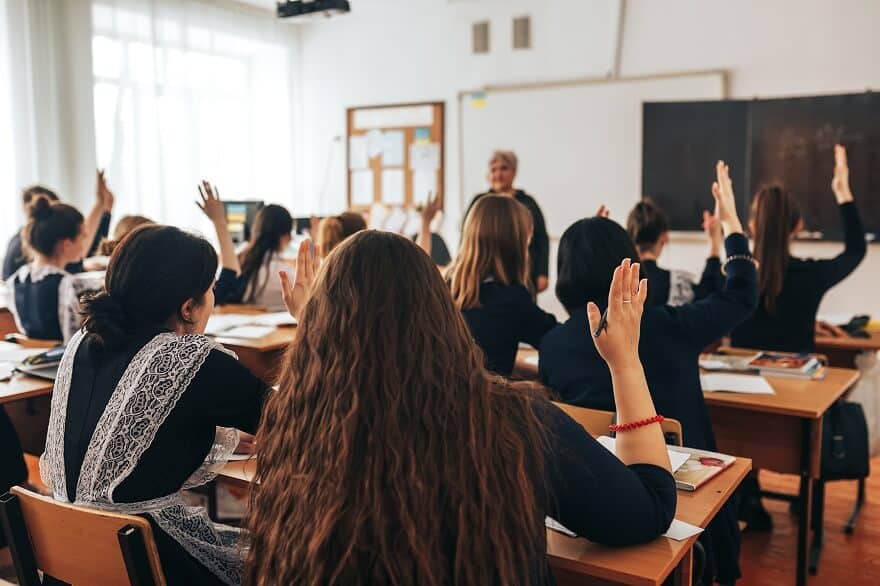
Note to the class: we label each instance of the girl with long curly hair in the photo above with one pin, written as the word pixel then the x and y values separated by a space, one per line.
pixel 389 455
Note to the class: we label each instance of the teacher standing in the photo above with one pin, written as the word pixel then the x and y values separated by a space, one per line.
pixel 502 172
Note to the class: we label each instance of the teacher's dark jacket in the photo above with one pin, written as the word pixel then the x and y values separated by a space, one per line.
pixel 539 248
pixel 671 341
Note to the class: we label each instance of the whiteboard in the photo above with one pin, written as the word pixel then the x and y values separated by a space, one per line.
pixel 579 145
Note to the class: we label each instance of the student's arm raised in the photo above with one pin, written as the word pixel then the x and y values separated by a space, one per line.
pixel 618 344
pixel 212 207
pixel 296 294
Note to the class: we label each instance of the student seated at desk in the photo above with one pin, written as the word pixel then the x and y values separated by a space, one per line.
pixel 97 225
pixel 390 455
pixel 792 288
pixel 12 466
pixel 332 231
pixel 673 337
pixel 649 229
pixel 141 363
pixel 43 295
pixel 489 280
pixel 126 224
pixel 261 262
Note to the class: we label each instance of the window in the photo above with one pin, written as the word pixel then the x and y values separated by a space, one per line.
pixel 185 91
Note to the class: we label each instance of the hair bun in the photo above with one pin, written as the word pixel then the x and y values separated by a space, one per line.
pixel 40 208
pixel 105 320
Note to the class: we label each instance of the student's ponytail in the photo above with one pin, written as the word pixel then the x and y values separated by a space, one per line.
pixel 775 216
pixel 152 273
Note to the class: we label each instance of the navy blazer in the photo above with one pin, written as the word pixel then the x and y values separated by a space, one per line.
pixel 671 341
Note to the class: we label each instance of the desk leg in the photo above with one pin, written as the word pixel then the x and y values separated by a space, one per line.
pixel 684 571
pixel 804 502
pixel 818 523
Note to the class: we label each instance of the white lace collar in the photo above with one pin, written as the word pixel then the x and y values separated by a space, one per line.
pixel 37 272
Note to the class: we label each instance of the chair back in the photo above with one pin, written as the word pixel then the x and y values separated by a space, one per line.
pixel 596 422
pixel 77 545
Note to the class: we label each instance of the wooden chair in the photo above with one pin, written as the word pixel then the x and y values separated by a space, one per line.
pixel 26 342
pixel 596 422
pixel 76 545
pixel 240 308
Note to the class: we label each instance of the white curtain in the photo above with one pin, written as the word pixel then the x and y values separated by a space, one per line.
pixel 8 207
pixel 185 90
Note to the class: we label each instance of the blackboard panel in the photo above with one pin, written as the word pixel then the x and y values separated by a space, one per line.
pixel 682 141
pixel 792 142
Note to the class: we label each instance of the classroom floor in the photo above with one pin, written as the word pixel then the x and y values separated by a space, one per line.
pixel 767 559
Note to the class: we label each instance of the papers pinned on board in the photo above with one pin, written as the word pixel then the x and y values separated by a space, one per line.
pixel 735 383
pixel 357 153
pixel 362 187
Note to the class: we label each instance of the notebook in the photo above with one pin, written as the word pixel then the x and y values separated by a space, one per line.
pixel 699 467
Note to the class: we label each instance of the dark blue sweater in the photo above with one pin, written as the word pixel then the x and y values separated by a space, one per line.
pixel 671 341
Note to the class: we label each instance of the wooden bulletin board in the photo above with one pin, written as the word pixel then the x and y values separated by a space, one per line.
pixel 395 154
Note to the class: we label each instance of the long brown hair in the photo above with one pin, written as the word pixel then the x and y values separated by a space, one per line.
pixel 389 455
pixel 775 216
pixel 332 231
pixel 494 244
pixel 271 224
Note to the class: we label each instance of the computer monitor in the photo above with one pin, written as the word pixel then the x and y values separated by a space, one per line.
pixel 240 218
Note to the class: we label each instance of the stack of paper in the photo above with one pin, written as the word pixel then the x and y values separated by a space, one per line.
pixel 243 325
pixel 736 383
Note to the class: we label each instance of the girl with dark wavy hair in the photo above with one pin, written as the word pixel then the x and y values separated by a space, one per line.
pixel 390 455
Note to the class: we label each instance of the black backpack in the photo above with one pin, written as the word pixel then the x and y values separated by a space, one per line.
pixel 845 442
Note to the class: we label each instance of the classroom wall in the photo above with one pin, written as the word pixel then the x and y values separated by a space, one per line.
pixel 390 51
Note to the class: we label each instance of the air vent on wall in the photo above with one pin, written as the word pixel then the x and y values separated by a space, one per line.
pixel 481 37
pixel 522 32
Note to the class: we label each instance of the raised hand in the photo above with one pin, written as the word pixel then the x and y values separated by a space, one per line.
pixel 297 293
pixel 603 212
pixel 712 229
pixel 430 209
pixel 210 203
pixel 105 197
pixel 617 340
pixel 840 182
pixel 725 201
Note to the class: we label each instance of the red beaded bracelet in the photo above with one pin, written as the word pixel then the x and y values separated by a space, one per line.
pixel 635 424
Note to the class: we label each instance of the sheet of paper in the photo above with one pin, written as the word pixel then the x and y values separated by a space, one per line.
pixel 221 322
pixel 10 352
pixel 413 223
pixel 248 332
pixel 362 187
pixel 679 530
pixel 392 148
pixel 6 370
pixel 735 383
pixel 424 157
pixel 276 319
pixel 396 220
pixel 375 143
pixel 393 186
pixel 676 459
pixel 424 185
pixel 552 523
pixel 240 457
pixel 357 153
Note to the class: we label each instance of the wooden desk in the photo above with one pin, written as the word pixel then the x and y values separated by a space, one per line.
pixel 842 352
pixel 578 561
pixel 263 355
pixel 783 433
pixel 21 387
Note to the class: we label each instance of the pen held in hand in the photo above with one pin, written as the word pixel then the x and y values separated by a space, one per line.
pixel 603 323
